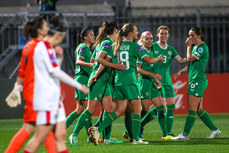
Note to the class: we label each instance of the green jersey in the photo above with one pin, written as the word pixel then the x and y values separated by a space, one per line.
pixel 197 67
pixel 106 48
pixel 145 66
pixel 128 54
pixel 164 68
pixel 83 51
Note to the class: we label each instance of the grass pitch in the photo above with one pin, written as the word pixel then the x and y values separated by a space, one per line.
pixel 152 133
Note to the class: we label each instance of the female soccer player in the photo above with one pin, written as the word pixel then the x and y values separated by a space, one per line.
pixel 148 85
pixel 100 90
pixel 168 52
pixel 198 57
pixel 82 72
pixel 47 102
pixel 37 29
pixel 127 52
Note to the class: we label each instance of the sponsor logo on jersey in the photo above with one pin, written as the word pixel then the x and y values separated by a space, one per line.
pixel 200 50
pixel 156 52
pixel 107 45
pixel 140 48
pixel 170 53
pixel 81 50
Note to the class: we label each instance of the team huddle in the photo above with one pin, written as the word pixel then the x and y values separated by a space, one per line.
pixel 107 77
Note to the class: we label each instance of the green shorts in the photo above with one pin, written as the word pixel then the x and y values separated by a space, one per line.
pixel 79 94
pixel 128 92
pixel 148 89
pixel 197 88
pixel 167 91
pixel 98 90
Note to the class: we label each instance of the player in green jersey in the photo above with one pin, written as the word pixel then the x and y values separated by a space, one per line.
pixel 168 52
pixel 127 52
pixel 100 90
pixel 198 57
pixel 148 85
pixel 83 69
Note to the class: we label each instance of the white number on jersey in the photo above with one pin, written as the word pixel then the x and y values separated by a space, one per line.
pixel 165 57
pixel 125 59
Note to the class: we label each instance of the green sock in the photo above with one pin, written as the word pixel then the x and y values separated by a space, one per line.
pixel 84 117
pixel 149 116
pixel 205 117
pixel 169 117
pixel 107 121
pixel 190 120
pixel 88 124
pixel 161 119
pixel 136 125
pixel 71 117
pixel 107 130
pixel 128 123
pixel 143 113
pixel 98 122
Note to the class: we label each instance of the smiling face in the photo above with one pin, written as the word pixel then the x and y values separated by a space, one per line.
pixel 90 38
pixel 135 33
pixel 147 40
pixel 163 35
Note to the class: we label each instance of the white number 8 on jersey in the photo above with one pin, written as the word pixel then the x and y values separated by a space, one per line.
pixel 125 59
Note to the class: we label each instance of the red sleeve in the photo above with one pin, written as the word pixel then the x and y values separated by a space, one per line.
pixel 21 69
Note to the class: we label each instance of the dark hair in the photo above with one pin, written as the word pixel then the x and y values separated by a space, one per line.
pixel 81 35
pixel 198 31
pixel 55 26
pixel 106 29
pixel 31 27
pixel 126 29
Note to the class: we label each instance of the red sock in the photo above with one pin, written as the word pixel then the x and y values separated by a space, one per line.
pixel 50 143
pixel 17 141
pixel 25 151
pixel 64 151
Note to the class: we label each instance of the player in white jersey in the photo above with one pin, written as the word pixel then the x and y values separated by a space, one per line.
pixel 47 103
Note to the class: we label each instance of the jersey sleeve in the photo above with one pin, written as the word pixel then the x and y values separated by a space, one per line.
pixel 107 48
pixel 199 52
pixel 21 69
pixel 140 53
pixel 45 56
pixel 81 52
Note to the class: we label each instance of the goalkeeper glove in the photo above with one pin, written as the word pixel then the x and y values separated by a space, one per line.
pixel 14 98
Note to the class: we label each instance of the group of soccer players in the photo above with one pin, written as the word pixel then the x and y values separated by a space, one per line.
pixel 118 90
pixel 110 74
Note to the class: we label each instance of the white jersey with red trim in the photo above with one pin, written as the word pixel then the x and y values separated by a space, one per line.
pixel 46 86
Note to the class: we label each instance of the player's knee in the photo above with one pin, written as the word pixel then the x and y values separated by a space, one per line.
pixel 60 136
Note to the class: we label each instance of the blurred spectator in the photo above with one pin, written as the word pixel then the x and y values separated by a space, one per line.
pixel 46 5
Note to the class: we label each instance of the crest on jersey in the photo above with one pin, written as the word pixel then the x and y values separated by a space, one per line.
pixel 170 53
pixel 140 48
pixel 200 50
pixel 107 45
